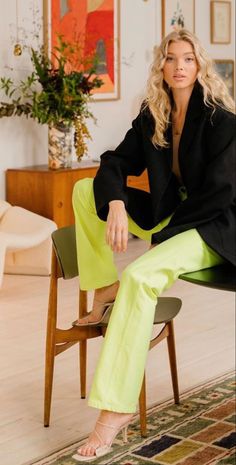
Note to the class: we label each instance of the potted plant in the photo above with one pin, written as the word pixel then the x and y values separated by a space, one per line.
pixel 57 93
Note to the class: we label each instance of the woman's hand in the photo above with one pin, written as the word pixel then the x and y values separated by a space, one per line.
pixel 117 226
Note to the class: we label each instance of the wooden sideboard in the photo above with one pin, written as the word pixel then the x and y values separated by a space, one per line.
pixel 48 192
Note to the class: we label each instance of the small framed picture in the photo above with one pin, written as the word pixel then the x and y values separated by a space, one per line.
pixel 225 68
pixel 177 14
pixel 220 22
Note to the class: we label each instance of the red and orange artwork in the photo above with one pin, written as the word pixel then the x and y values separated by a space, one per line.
pixel 93 24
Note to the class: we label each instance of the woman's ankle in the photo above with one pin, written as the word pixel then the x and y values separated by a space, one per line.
pixel 106 293
pixel 114 417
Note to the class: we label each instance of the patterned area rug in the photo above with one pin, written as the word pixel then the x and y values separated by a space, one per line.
pixel 199 431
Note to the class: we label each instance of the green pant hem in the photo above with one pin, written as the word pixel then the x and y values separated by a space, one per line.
pixel 111 407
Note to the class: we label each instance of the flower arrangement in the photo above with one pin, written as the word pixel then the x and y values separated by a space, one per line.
pixel 56 92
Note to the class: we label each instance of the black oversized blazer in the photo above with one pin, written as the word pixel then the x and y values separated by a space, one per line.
pixel 207 165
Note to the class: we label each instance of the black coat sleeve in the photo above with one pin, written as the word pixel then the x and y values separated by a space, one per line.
pixel 217 191
pixel 127 159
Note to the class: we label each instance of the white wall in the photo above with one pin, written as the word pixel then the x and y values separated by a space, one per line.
pixel 24 142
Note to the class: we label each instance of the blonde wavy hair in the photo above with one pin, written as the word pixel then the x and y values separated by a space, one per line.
pixel 158 96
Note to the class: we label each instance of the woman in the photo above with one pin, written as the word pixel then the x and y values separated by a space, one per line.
pixel 184 136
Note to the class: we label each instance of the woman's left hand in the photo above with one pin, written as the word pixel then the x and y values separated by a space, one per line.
pixel 117 226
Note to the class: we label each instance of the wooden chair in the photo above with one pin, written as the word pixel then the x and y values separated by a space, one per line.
pixel 64 264
pixel 222 277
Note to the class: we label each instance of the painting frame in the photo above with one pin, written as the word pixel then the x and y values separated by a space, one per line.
pixel 99 94
pixel 220 22
pixel 169 15
pixel 225 68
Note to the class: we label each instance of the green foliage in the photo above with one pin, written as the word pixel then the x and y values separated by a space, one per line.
pixel 58 89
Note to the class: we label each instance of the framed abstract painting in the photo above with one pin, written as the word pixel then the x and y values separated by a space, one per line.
pixel 94 25
pixel 177 14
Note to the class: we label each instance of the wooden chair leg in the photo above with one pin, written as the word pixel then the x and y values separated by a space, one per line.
pixel 142 409
pixel 50 341
pixel 83 345
pixel 83 366
pixel 172 359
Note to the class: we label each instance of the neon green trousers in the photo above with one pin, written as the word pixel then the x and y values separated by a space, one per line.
pixel 120 369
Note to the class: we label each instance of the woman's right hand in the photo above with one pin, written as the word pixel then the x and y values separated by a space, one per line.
pixel 117 226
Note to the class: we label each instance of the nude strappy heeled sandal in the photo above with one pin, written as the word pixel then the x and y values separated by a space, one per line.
pixel 103 449
pixel 105 312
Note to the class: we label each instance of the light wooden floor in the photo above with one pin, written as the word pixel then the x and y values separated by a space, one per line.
pixel 205 348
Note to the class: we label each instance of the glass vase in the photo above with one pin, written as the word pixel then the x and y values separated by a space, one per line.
pixel 59 146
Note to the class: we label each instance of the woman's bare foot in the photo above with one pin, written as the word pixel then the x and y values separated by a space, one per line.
pixel 106 433
pixel 102 296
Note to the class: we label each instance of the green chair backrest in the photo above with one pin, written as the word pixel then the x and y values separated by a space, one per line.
pixel 64 244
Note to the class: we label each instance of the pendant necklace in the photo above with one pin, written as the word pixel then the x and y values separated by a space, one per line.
pixel 177 130
pixel 17 47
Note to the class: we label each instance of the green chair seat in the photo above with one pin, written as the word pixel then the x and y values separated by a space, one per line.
pixel 221 277
pixel 166 310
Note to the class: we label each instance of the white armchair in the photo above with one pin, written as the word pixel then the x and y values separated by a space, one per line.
pixel 25 241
